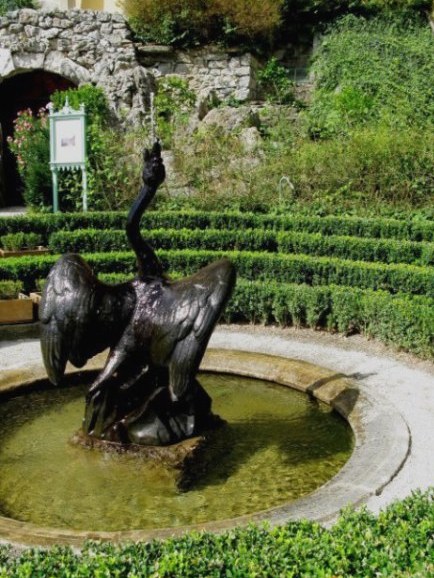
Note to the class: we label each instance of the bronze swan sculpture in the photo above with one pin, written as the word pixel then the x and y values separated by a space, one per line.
pixel 156 330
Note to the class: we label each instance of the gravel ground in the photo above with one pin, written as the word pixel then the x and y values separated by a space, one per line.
pixel 405 381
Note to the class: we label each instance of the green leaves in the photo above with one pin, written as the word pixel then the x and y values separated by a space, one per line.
pixel 396 544
pixel 274 83
pixel 20 240
pixel 8 5
pixel 374 71
pixel 295 270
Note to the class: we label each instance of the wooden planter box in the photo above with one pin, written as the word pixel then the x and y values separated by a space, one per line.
pixel 16 310
pixel 24 252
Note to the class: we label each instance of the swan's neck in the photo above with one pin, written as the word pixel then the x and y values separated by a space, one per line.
pixel 147 262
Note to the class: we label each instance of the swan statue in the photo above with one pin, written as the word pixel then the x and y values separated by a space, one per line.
pixel 156 331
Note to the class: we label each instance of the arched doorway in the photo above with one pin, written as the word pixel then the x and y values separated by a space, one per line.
pixel 27 90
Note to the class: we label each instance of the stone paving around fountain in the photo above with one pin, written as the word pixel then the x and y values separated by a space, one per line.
pixel 402 384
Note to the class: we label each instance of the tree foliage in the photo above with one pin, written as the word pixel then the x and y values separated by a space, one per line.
pixel 253 22
pixel 195 21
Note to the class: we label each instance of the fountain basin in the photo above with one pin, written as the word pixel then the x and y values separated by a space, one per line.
pixel 367 471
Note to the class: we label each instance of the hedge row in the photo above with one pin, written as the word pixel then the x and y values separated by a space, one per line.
pixel 353 248
pixel 330 225
pixel 254 266
pixel 398 543
pixel 402 320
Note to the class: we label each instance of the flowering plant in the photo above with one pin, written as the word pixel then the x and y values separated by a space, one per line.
pixel 30 144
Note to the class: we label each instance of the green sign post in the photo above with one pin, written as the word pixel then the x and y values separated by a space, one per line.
pixel 68 147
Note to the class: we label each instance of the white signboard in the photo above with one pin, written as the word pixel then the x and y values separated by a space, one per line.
pixel 68 147
pixel 68 141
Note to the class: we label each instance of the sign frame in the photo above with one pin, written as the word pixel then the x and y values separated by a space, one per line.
pixel 67 131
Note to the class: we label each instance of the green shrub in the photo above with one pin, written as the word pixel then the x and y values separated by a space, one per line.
pixel 173 103
pixel 192 21
pixel 376 70
pixel 39 285
pixel 210 239
pixel 357 249
pixel 10 289
pixel 275 290
pixel 274 83
pixel 365 168
pixel 255 266
pixel 113 154
pixel 344 247
pixel 93 98
pixel 381 228
pixel 17 241
pixel 398 543
pixel 30 144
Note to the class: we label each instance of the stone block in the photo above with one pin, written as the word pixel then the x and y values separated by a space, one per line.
pixel 234 63
pixel 103 16
pixel 16 28
pixel 59 64
pixel 216 57
pixel 242 94
pixel 63 44
pixel 28 16
pixel 116 40
pixel 243 71
pixel 46 22
pixel 244 82
pixel 245 59
pixel 106 28
pixel 31 31
pixel 216 64
pixel 28 61
pixel 50 33
pixel 116 17
pixel 165 68
pixel 6 62
pixel 181 68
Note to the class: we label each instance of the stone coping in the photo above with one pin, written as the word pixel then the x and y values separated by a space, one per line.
pixel 382 444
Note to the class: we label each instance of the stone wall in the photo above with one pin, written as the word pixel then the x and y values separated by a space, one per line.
pixel 229 74
pixel 97 47
pixel 82 46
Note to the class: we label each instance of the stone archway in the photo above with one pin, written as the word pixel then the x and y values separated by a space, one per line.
pixel 29 90
pixel 80 47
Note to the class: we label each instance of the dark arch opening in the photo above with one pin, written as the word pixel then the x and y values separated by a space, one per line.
pixel 27 90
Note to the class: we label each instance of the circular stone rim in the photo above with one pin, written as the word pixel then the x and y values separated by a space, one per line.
pixel 382 445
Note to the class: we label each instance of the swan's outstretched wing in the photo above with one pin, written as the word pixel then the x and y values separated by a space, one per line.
pixel 79 315
pixel 188 314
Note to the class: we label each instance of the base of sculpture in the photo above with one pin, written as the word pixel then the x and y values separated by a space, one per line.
pixel 183 456
pixel 122 415
pixel 176 456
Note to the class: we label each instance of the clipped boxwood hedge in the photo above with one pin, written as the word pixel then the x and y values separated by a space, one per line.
pixel 398 543
pixel 330 225
pixel 353 248
pixel 402 320
pixel 406 321
pixel 210 239
pixel 256 266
